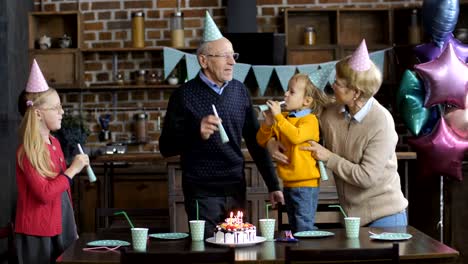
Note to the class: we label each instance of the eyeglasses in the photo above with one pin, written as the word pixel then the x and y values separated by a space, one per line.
pixel 57 108
pixel 235 55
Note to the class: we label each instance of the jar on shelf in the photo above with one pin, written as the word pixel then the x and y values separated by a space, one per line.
pixel 414 31
pixel 138 29
pixel 140 127
pixel 140 77
pixel 177 30
pixel 310 36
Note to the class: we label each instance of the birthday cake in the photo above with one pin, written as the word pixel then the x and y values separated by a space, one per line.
pixel 235 231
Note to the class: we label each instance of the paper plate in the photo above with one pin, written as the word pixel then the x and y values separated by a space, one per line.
pixel 108 243
pixel 391 236
pixel 258 239
pixel 169 235
pixel 313 233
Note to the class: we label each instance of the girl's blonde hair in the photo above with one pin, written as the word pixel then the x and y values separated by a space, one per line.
pixel 367 82
pixel 33 145
pixel 320 99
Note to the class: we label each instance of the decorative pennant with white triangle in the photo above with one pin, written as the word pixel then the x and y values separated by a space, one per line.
pixel 262 74
pixel 193 67
pixel 378 57
pixel 284 74
pixel 171 59
pixel 240 71
pixel 307 68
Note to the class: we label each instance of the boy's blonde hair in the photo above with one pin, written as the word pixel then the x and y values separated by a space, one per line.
pixel 34 147
pixel 367 82
pixel 320 99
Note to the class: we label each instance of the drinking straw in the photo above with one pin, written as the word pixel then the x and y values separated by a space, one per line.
pixel 266 209
pixel 341 209
pixel 196 202
pixel 126 216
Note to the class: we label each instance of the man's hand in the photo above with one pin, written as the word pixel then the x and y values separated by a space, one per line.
pixel 208 126
pixel 276 150
pixel 276 197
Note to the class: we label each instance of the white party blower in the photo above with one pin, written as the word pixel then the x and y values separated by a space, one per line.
pixel 91 175
pixel 222 132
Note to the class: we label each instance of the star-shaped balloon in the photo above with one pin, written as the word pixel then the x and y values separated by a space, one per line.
pixel 445 79
pixel 441 152
pixel 430 51
pixel 457 120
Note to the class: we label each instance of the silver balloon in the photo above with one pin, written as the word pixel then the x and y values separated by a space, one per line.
pixel 440 18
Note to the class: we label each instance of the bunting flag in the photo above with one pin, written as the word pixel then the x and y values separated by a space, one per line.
pixel 320 73
pixel 262 74
pixel 284 74
pixel 321 76
pixel 171 59
pixel 307 68
pixel 240 71
pixel 378 58
pixel 193 67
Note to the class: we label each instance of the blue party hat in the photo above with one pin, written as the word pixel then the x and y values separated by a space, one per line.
pixel 211 32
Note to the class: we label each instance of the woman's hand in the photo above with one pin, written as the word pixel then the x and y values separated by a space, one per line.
pixel 276 151
pixel 318 151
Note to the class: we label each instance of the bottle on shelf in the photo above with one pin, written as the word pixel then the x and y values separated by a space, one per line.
pixel 414 31
pixel 138 29
pixel 177 30
pixel 310 36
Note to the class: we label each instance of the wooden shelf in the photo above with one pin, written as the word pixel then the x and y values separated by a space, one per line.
pixel 115 86
pixel 130 49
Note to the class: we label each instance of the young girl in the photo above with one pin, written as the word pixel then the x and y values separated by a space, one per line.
pixel 44 225
pixel 301 177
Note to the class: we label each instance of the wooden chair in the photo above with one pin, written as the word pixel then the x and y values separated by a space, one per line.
pixel 225 255
pixel 157 220
pixel 368 255
pixel 7 232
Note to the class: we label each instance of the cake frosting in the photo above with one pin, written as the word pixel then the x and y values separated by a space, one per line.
pixel 235 231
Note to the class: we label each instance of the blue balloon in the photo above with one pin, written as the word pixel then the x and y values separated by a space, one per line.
pixel 443 16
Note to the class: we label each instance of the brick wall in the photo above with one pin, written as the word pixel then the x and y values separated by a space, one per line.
pixel 108 24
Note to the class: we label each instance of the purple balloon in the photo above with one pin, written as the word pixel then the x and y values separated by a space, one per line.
pixel 444 20
pixel 429 51
pixel 441 152
pixel 445 79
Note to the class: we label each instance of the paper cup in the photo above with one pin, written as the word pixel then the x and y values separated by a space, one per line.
pixel 139 238
pixel 352 226
pixel 267 228
pixel 197 229
pixel 198 246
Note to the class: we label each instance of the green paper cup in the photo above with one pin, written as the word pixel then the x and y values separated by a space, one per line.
pixel 352 225
pixel 197 229
pixel 267 228
pixel 139 238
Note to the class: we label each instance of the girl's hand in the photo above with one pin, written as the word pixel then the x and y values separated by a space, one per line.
pixel 79 162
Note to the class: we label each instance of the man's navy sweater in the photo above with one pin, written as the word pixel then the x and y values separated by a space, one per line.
pixel 210 167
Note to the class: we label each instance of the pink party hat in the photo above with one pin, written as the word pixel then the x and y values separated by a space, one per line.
pixel 360 60
pixel 36 82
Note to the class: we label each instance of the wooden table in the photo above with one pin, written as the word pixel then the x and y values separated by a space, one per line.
pixel 419 249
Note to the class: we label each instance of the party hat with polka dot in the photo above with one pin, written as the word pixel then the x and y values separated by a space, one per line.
pixel 360 60
pixel 36 82
pixel 211 32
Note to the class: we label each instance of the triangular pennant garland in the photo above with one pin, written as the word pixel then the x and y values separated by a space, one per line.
pixel 284 74
pixel 171 59
pixel 240 71
pixel 193 67
pixel 307 68
pixel 378 59
pixel 262 74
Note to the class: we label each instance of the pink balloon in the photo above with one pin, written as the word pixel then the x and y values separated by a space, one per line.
pixel 445 79
pixel 457 120
pixel 440 153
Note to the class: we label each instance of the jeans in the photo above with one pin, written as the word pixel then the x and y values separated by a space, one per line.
pixel 398 219
pixel 301 204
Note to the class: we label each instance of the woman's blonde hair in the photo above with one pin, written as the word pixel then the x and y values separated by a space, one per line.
pixel 367 82
pixel 320 99
pixel 33 145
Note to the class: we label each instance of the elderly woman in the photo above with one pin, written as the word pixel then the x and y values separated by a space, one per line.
pixel 360 139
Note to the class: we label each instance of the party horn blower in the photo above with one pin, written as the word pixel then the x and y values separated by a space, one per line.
pixel 265 107
pixel 91 175
pixel 322 170
pixel 222 132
